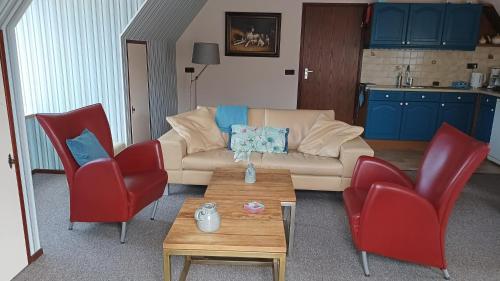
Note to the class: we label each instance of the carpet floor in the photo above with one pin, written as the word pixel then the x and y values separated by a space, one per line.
pixel 323 249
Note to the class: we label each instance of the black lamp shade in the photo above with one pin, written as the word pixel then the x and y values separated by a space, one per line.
pixel 206 53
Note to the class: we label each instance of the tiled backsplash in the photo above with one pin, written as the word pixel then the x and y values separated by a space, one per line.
pixel 382 66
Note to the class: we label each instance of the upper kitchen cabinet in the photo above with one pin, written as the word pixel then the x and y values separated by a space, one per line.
pixel 389 24
pixel 425 25
pixel 461 28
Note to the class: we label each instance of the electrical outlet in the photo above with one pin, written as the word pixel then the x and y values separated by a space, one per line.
pixel 472 66
pixel 189 70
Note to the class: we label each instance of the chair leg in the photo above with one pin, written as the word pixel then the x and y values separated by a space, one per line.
pixel 168 189
pixel 446 274
pixel 364 258
pixel 124 232
pixel 155 206
pixel 70 225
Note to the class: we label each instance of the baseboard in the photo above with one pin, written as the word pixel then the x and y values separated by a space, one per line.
pixel 35 256
pixel 47 171
pixel 397 145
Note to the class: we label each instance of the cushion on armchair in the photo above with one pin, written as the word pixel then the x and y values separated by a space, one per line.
pixel 199 129
pixel 327 135
pixel 86 148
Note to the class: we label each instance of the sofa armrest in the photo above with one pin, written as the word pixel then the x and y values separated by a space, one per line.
pixel 174 149
pixel 350 152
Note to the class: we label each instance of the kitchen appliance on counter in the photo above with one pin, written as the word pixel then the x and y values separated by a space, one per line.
pixel 476 80
pixel 494 82
pixel 494 154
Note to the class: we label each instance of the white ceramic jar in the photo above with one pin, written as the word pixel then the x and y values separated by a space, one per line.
pixel 207 218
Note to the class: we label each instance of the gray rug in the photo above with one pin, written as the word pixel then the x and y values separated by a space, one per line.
pixel 323 249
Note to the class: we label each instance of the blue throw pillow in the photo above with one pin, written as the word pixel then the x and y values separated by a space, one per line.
pixel 86 147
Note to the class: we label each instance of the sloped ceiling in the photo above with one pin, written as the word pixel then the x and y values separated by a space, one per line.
pixel 163 20
pixel 11 11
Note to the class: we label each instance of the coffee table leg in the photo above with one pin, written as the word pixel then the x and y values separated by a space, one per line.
pixel 282 266
pixel 167 267
pixel 291 230
pixel 185 269
pixel 275 269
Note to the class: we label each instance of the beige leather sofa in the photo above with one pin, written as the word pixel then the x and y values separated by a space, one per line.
pixel 308 171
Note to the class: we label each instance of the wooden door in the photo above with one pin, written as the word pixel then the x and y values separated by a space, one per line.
pixel 13 236
pixel 330 58
pixel 138 76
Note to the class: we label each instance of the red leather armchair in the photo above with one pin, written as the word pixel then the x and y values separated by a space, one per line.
pixel 106 190
pixel 391 216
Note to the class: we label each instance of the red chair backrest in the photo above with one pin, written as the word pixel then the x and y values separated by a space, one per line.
pixel 448 163
pixel 62 126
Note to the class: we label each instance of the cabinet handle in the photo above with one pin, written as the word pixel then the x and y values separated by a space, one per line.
pixel 492 110
pixel 400 103
pixel 423 96
pixel 459 98
pixel 407 42
pixel 444 43
pixel 487 100
pixel 403 42
pixel 386 96
pixel 442 105
pixel 406 103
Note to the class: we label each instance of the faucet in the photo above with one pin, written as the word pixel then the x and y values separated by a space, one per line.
pixel 408 79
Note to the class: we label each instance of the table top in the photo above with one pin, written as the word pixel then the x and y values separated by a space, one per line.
pixel 239 231
pixel 271 184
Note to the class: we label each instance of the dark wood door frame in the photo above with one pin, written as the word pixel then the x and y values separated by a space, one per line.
pixel 10 116
pixel 302 38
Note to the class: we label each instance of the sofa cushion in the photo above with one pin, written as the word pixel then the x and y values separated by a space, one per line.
pixel 326 136
pixel 209 160
pixel 303 164
pixel 298 121
pixel 199 129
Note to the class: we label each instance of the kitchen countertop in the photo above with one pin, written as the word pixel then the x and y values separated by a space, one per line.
pixel 481 91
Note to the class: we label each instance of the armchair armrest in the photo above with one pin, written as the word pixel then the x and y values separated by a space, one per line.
pixel 140 157
pixel 174 149
pixel 98 193
pixel 369 170
pixel 395 218
pixel 350 152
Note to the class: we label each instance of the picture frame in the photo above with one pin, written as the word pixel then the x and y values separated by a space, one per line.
pixel 253 34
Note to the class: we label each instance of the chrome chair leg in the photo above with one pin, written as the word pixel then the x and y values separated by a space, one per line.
pixel 124 232
pixel 446 274
pixel 168 189
pixel 364 258
pixel 70 226
pixel 155 206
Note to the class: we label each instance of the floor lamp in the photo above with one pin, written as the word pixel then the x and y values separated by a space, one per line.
pixel 206 54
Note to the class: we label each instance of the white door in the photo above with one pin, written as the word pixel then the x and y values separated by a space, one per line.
pixel 13 256
pixel 139 91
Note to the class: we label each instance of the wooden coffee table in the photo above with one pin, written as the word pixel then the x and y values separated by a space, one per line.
pixel 271 184
pixel 242 238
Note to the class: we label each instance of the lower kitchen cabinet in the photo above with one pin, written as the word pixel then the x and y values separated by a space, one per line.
pixel 384 120
pixel 418 120
pixel 484 123
pixel 459 115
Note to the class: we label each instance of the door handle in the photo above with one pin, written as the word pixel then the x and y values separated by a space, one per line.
pixel 306 73
pixel 11 161
pixel 133 109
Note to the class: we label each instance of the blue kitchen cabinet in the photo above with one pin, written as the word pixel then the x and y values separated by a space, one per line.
pixel 484 122
pixel 459 115
pixel 461 27
pixel 389 24
pixel 383 120
pixel 425 25
pixel 419 120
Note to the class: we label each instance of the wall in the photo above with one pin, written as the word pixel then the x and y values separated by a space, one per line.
pixel 257 82
pixel 382 66
pixel 69 56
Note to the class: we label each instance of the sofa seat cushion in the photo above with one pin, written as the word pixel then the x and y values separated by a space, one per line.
pixel 303 164
pixel 217 158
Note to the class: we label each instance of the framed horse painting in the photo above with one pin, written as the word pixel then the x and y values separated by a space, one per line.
pixel 253 34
